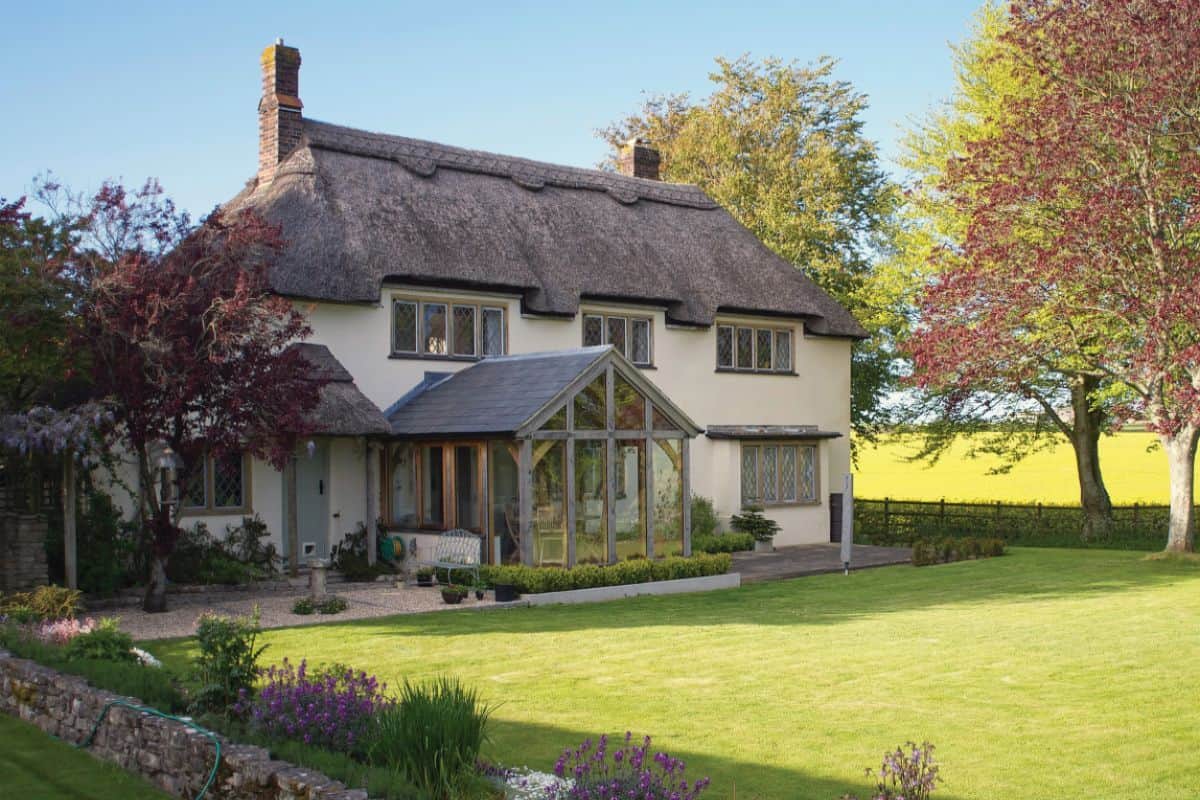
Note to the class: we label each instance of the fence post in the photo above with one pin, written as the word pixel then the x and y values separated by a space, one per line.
pixel 1135 513
pixel 887 530
pixel 942 511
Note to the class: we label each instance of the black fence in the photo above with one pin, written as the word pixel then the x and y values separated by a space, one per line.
pixel 888 521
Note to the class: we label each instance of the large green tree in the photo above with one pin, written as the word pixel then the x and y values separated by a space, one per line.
pixel 781 146
pixel 1034 396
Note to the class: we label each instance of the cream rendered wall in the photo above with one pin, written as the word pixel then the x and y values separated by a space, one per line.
pixel 684 368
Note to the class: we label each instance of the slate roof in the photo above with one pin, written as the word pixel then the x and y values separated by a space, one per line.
pixel 342 410
pixel 493 396
pixel 768 432
pixel 358 209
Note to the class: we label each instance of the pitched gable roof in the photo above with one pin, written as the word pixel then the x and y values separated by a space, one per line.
pixel 359 208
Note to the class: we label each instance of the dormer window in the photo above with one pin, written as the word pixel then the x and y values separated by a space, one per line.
pixel 435 329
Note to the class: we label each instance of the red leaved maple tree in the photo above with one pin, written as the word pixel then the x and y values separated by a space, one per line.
pixel 1082 250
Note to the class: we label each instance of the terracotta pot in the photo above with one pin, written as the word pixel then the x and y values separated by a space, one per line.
pixel 452 598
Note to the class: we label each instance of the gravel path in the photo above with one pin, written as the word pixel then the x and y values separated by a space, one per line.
pixel 275 608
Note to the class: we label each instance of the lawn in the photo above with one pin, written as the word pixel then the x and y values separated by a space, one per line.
pixel 1042 674
pixel 34 765
pixel 1132 472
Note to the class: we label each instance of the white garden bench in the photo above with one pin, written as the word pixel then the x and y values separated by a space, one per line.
pixel 456 550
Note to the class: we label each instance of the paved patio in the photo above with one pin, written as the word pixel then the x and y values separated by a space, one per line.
pixel 813 559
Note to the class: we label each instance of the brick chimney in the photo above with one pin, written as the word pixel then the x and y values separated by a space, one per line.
pixel 279 118
pixel 638 159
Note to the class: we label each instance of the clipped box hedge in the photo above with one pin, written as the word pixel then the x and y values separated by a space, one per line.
pixel 536 580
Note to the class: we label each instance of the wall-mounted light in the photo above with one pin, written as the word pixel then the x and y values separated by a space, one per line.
pixel 311 447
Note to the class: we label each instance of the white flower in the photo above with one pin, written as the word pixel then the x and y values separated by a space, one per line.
pixel 145 658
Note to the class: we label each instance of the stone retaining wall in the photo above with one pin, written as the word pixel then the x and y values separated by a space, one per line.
pixel 22 552
pixel 169 754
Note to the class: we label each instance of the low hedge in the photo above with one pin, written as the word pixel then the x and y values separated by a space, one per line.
pixel 536 580
pixel 954 548
pixel 732 542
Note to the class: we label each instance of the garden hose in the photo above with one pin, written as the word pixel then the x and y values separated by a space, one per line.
pixel 212 775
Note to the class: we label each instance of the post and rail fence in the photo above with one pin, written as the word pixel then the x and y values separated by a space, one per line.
pixel 1138 526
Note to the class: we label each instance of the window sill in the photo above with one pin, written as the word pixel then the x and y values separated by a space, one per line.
pixel 787 504
pixel 240 511
pixel 735 371
pixel 434 357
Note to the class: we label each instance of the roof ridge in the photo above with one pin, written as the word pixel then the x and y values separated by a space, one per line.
pixel 425 157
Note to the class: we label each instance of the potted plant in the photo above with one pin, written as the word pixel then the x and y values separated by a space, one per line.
pixel 453 594
pixel 479 587
pixel 752 521
pixel 505 592
pixel 425 576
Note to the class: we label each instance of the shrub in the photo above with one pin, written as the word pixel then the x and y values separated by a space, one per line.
pixel 61 631
pixel 44 602
pixel 910 772
pixel 704 518
pixel 432 736
pixel 304 606
pixel 241 558
pixel 992 547
pixel 968 547
pixel 248 543
pixel 227 665
pixel 332 708
pixel 349 557
pixel 106 545
pixel 924 553
pixel 104 642
pixel 752 521
pixel 332 605
pixel 723 543
pixel 629 771
pixel 536 580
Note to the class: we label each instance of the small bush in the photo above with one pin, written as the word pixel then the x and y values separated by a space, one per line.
pixel 910 772
pixel 332 605
pixel 927 551
pixel 304 606
pixel 227 665
pixel 330 708
pixel 349 557
pixel 723 543
pixel 704 518
pixel 594 772
pixel 924 553
pixel 752 521
pixel 432 736
pixel 44 602
pixel 104 642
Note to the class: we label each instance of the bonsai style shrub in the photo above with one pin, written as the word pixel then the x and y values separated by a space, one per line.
pixel 752 521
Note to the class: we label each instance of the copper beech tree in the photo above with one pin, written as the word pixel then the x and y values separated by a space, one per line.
pixel 189 345
pixel 1082 240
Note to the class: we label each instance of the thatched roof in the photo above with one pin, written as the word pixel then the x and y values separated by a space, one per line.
pixel 342 410
pixel 359 208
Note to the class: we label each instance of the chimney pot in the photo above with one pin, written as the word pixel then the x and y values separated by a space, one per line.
pixel 639 159
pixel 280 121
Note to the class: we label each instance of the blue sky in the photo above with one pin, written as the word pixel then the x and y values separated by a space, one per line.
pixel 167 89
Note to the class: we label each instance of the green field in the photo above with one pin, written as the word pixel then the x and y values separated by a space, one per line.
pixel 33 766
pixel 1133 473
pixel 1042 674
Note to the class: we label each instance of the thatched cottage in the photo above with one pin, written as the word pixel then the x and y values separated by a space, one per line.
pixel 552 357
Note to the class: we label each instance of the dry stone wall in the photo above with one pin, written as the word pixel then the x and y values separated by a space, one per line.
pixel 168 753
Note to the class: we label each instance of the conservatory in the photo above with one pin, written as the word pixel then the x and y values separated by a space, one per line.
pixel 561 458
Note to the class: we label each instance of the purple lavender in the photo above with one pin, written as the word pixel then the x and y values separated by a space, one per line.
pixel 331 708
pixel 630 772
pixel 909 772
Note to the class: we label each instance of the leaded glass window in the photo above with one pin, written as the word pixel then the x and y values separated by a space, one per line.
pixel 593 331
pixel 464 330
pixel 404 326
pixel 216 484
pixel 750 494
pixel 808 474
pixel 433 328
pixel 492 338
pixel 745 348
pixel 639 345
pixel 787 473
pixel 725 347
pixel 228 481
pixel 783 351
pixel 616 335
pixel 770 473
pixel 762 350
pixel 195 487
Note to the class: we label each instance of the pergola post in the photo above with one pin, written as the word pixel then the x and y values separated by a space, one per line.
pixel 70 553
pixel 686 479
pixel 369 500
pixel 526 501
pixel 648 511
pixel 292 516
pixel 610 461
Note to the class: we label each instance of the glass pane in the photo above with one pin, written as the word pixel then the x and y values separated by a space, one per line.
pixel 558 422
pixel 661 423
pixel 593 331
pixel 639 351
pixel 631 499
pixel 591 518
pixel 493 332
pixel 783 351
pixel 745 348
pixel 787 473
pixel 616 335
pixel 404 337
pixel 668 498
pixel 464 330
pixel 725 347
pixel 749 476
pixel 769 473
pixel 195 493
pixel 549 506
pixel 467 494
pixel 629 405
pixel 404 486
pixel 505 499
pixel 589 407
pixel 431 487
pixel 763 350
pixel 227 481
pixel 434 331
pixel 808 474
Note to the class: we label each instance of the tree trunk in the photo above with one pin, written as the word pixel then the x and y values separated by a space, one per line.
pixel 155 601
pixel 1181 466
pixel 1085 439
